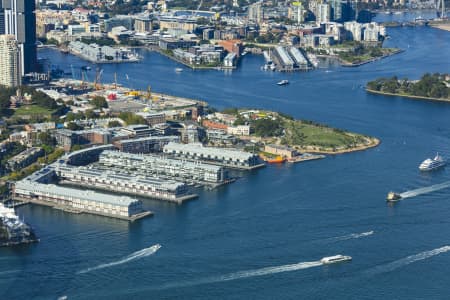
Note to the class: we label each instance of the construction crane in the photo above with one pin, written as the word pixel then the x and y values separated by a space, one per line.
pixel 194 14
pixel 98 77
pixel 84 77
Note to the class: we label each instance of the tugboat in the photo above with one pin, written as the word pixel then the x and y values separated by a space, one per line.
pixel 283 82
pixel 392 197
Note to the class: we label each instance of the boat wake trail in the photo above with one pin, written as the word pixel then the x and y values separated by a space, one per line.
pixel 247 274
pixel 267 271
pixel 408 260
pixel 351 236
pixel 425 190
pixel 133 256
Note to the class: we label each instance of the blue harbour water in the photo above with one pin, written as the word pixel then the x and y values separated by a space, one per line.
pixel 262 236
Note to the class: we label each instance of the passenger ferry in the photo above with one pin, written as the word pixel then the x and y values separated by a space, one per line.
pixel 431 164
pixel 335 259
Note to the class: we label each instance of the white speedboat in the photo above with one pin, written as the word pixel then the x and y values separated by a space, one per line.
pixel 283 82
pixel 335 259
pixel 393 196
pixel 178 70
pixel 431 164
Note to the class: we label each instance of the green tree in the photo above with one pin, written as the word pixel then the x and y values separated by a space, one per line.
pixel 231 111
pixel 267 127
pixel 73 126
pixel 114 124
pixel 89 114
pixel 99 102
pixel 131 118
pixel 47 139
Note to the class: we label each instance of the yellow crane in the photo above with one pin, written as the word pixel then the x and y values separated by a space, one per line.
pixel 149 93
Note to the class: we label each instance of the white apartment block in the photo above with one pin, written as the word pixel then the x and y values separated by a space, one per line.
pixel 10 61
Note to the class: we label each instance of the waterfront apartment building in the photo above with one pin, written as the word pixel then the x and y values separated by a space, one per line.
pixel 85 156
pixel 143 24
pixel 138 131
pixel 119 20
pixel 75 200
pixel 10 74
pixel 20 21
pixel 174 168
pixel 168 22
pixel 67 138
pixel 134 184
pixel 25 158
pixel 153 118
pixel 219 156
pixel 145 144
pixel 239 130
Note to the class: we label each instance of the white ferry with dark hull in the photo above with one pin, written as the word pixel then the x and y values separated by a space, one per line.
pixel 432 164
pixel 335 259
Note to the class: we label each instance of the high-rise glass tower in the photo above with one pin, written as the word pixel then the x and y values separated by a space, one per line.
pixel 2 19
pixel 20 21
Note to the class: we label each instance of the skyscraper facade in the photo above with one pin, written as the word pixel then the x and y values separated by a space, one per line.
pixel 10 61
pixel 2 18
pixel 20 21
pixel 255 12
pixel 336 10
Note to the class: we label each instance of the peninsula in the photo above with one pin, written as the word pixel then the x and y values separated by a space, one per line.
pixel 273 128
pixel 435 87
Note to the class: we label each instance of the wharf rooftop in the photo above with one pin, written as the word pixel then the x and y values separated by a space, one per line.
pixel 79 201
pixel 146 186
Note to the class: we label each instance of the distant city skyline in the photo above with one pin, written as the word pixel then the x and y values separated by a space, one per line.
pixel 20 21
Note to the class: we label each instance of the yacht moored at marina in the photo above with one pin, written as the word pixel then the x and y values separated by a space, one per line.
pixel 13 231
pixel 431 164
pixel 335 259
